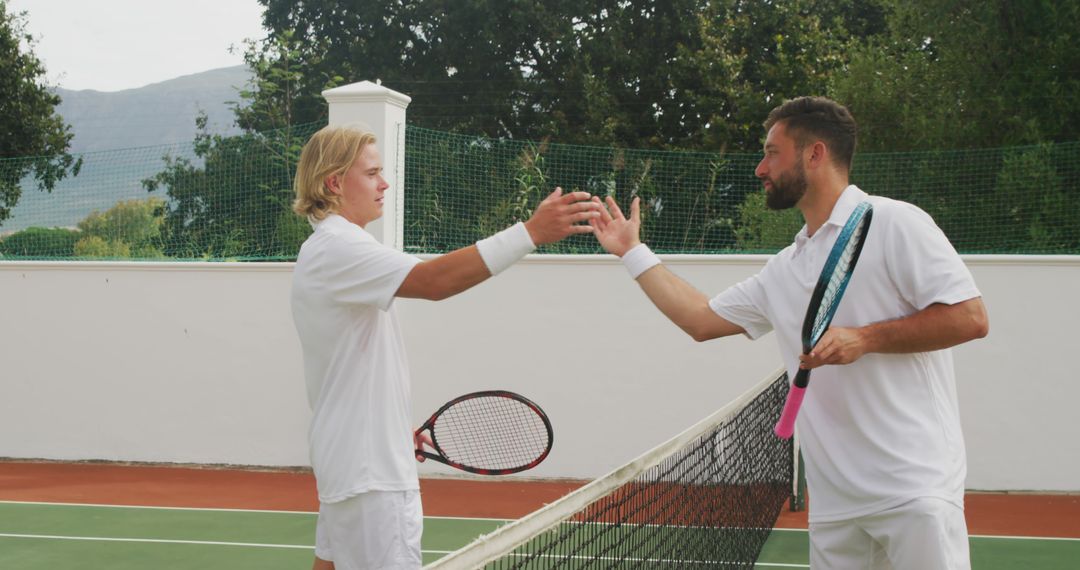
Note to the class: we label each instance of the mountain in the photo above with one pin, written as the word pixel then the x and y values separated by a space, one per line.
pixel 159 113
pixel 122 137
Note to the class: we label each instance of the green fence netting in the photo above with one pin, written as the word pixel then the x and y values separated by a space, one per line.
pixel 227 198
pixel 462 188
pixel 215 198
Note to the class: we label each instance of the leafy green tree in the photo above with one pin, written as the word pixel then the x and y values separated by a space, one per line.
pixel 763 230
pixel 965 74
pixel 637 73
pixel 47 243
pixel 287 88
pixel 646 75
pixel 616 73
pixel 462 61
pixel 233 204
pixel 1033 209
pixel 29 125
pixel 973 75
pixel 95 247
pixel 754 54
pixel 131 228
pixel 233 200
pixel 689 74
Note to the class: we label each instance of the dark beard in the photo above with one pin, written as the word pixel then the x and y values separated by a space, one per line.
pixel 788 189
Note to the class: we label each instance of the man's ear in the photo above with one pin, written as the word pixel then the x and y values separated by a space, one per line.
pixel 331 182
pixel 819 154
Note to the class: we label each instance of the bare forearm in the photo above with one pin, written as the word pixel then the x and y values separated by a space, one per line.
pixel 446 275
pixel 680 302
pixel 684 305
pixel 673 296
pixel 934 328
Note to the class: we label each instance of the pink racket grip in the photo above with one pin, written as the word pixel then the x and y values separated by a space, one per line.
pixel 786 426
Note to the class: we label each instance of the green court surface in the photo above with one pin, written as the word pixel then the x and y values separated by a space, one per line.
pixel 39 536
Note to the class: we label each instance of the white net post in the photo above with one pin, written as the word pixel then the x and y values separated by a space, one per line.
pixel 382 111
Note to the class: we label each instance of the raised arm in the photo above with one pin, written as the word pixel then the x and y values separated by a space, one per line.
pixel 445 276
pixel 680 302
pixel 936 327
pixel 558 216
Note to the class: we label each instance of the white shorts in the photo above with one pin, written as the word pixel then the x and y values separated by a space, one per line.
pixel 923 534
pixel 371 531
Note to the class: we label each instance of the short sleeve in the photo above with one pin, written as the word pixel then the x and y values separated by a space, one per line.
pixel 365 272
pixel 742 304
pixel 921 261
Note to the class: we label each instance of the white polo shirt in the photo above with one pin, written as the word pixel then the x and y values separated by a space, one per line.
pixel 354 361
pixel 886 428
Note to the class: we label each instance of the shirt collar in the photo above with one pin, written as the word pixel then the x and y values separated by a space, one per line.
pixel 849 198
pixel 845 205
pixel 333 221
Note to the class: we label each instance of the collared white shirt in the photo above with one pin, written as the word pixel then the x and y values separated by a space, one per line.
pixel 354 361
pixel 884 429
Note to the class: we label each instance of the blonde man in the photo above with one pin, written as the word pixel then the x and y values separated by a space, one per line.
pixel 345 282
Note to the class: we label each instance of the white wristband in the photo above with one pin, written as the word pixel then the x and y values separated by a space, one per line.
pixel 503 249
pixel 639 260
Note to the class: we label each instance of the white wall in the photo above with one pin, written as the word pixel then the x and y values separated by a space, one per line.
pixel 149 362
pixel 199 363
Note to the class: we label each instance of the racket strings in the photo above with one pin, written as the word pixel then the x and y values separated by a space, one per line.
pixel 838 280
pixel 491 432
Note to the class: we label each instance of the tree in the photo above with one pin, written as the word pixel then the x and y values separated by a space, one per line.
pixel 686 74
pixel 286 90
pixel 644 75
pixel 95 247
pixel 463 60
pixel 953 75
pixel 756 53
pixel 234 200
pixel 762 229
pixel 966 74
pixel 33 138
pixel 40 243
pixel 131 228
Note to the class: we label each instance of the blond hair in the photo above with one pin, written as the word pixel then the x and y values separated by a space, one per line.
pixel 332 150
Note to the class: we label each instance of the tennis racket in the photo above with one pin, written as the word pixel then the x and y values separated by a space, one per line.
pixel 823 303
pixel 493 432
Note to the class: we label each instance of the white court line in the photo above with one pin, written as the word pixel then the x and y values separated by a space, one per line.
pixel 170 541
pixel 986 536
pixel 152 540
pixel 981 536
pixel 211 509
pixel 252 544
pixel 999 537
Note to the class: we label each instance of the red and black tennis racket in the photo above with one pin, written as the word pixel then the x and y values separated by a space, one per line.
pixel 494 432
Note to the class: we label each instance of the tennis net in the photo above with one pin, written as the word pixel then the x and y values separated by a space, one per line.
pixel 707 498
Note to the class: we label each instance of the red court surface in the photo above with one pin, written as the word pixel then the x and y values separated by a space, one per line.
pixel 1001 514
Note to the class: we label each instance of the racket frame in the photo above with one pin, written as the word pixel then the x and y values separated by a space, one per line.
pixel 860 218
pixel 440 456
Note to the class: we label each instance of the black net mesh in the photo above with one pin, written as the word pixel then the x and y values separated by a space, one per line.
pixel 712 503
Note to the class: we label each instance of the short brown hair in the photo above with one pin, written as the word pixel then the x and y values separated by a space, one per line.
pixel 807 118
pixel 331 150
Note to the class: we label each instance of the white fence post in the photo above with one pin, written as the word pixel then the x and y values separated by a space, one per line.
pixel 382 111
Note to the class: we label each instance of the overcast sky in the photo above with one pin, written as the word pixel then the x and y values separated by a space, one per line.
pixel 110 45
